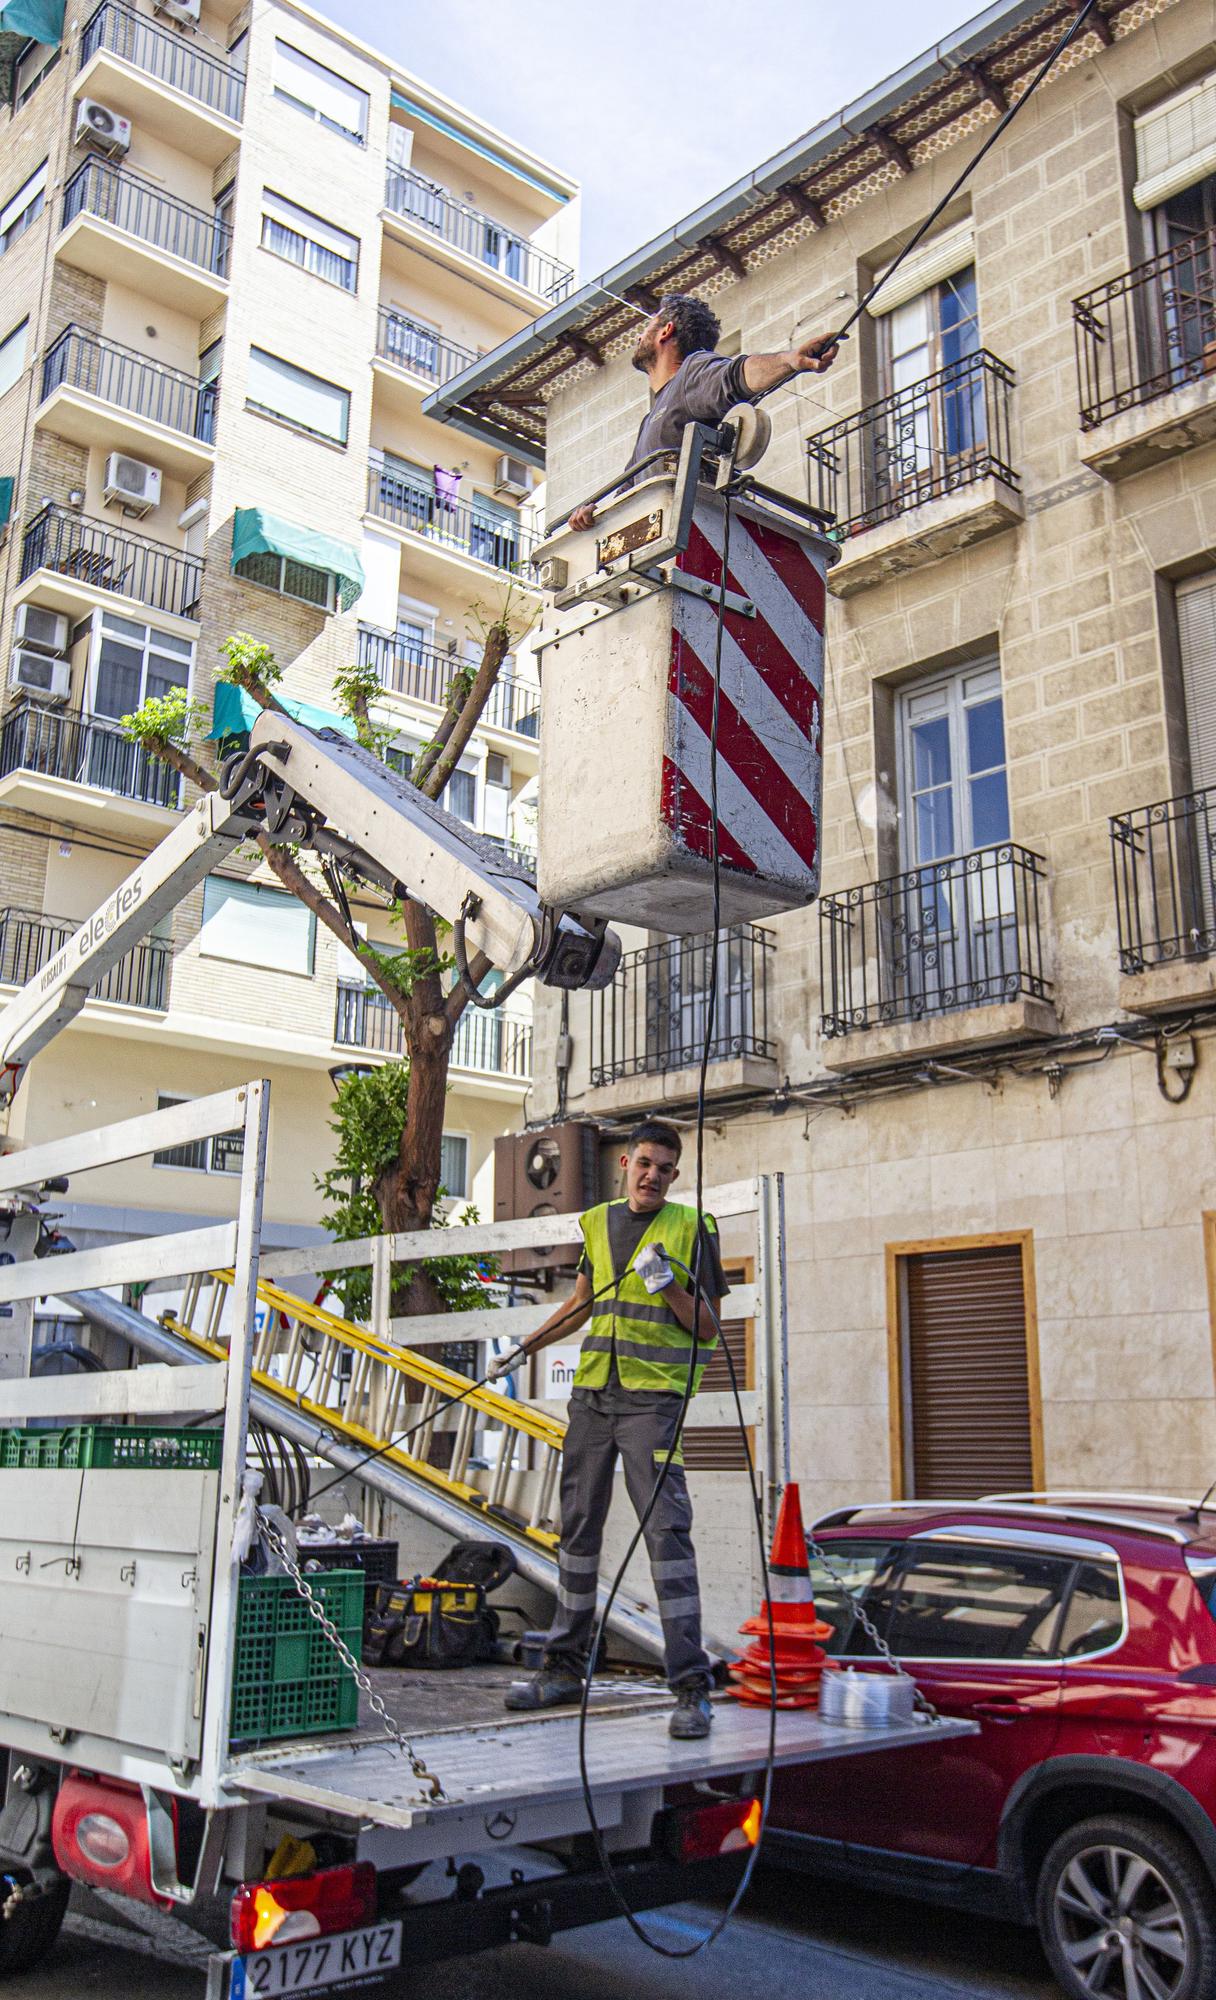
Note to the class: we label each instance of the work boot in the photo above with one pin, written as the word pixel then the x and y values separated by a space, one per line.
pixel 692 1714
pixel 554 1686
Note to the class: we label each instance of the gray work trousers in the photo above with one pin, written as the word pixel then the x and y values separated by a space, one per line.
pixel 604 1425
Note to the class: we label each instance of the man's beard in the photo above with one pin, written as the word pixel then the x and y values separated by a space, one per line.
pixel 644 354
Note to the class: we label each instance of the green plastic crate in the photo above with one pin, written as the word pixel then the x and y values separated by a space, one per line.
pixel 108 1446
pixel 288 1680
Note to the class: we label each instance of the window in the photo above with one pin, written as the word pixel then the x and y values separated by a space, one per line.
pixel 1093 1619
pixel 307 240
pixel 454 1164
pixel 971 1604
pixel 133 662
pixel 963 1389
pixel 25 207
pixel 12 356
pixel 222 211
pixel 856 1565
pixel 280 389
pixel 255 925
pixel 932 335
pixel 222 1154
pixel 411 342
pixel 460 796
pixel 493 532
pixel 1175 143
pixel 31 66
pixel 952 745
pixel 289 578
pixel 320 92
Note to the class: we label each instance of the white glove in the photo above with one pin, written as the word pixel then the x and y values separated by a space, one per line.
pixel 505 1364
pixel 653 1268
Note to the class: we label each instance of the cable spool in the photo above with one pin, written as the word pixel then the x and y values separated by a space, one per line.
pixel 866 1701
pixel 753 428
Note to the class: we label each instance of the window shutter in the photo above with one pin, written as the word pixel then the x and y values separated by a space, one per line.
pixel 1175 144
pixel 966 1387
pixel 944 254
pixel 719 1447
pixel 1197 642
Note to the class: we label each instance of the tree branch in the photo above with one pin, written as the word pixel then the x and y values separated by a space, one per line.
pixel 498 638
pixel 179 759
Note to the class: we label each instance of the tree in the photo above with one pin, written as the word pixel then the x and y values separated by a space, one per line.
pixel 416 980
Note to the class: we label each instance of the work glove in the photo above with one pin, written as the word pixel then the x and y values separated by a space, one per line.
pixel 653 1268
pixel 506 1364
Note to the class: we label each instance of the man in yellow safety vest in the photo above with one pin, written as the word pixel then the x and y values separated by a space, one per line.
pixel 628 1392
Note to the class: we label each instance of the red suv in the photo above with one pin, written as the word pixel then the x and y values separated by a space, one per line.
pixel 1079 1632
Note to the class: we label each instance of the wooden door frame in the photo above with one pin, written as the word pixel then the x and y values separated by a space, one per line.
pixel 897 1253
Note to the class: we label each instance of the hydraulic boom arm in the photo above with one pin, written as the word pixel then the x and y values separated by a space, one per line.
pixel 317 789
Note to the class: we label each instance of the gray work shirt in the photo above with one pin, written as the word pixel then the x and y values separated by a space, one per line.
pixel 702 390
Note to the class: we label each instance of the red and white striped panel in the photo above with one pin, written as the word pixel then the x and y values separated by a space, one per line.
pixel 770 745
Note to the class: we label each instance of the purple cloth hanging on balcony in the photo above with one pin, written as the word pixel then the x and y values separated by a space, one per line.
pixel 447 486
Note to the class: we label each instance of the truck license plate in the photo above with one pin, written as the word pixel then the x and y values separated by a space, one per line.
pixel 318 1965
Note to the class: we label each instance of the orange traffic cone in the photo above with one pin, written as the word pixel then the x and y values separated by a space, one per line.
pixel 793 1654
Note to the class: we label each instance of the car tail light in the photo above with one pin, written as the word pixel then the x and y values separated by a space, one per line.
pixel 702 1833
pixel 99 1831
pixel 303 1906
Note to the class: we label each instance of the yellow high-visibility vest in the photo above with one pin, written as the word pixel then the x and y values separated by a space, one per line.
pixel 653 1350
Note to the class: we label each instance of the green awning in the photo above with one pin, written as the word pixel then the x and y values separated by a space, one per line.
pixel 235 713
pixel 33 20
pixel 256 533
pixel 401 102
pixel 6 499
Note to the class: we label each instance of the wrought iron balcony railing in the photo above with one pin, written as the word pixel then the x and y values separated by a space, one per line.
pixel 1164 859
pixel 919 444
pixel 462 525
pixel 966 932
pixel 496 1044
pixel 477 234
pixel 140 208
pixel 169 58
pixel 61 743
pixel 653 1017
pixel 1150 330
pixel 29 940
pixel 418 348
pixel 165 579
pixel 131 381
pixel 425 673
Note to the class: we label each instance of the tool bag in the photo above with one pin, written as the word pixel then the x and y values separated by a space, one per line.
pixel 444 1620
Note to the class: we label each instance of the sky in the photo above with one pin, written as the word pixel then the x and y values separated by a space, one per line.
pixel 654 106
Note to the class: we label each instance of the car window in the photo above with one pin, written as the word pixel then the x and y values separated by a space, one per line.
pixel 857 1563
pixel 1093 1619
pixel 972 1604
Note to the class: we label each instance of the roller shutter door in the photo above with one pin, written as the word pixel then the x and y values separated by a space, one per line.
pixel 966 1378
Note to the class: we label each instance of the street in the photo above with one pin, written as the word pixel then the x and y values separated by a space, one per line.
pixel 798 1940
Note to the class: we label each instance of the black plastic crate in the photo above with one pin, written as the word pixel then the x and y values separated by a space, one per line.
pixel 377 1559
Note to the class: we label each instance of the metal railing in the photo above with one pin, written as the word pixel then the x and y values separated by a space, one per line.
pixel 654 1015
pixel 1149 330
pixel 477 234
pixel 924 441
pixel 425 673
pixel 131 381
pixel 165 579
pixel 966 932
pixel 170 58
pixel 140 208
pixel 496 1044
pixel 62 743
pixel 495 539
pixel 29 940
pixel 418 348
pixel 1164 858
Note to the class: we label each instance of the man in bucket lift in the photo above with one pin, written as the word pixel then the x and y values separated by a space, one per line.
pixel 690 384
pixel 628 1393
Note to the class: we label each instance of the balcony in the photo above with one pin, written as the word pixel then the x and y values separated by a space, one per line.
pixel 163 81
pixel 942 957
pixel 921 474
pixel 97 392
pixel 418 350
pixel 120 226
pixel 1164 860
pixel 74 563
pixel 119 786
pixel 1146 348
pixel 492 1045
pixel 450 530
pixel 29 940
pixel 425 673
pixel 648 1027
pixel 428 215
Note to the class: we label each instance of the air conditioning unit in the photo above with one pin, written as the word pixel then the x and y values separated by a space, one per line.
pixel 97 125
pixel 513 475
pixel 551 1172
pixel 40 673
pixel 42 630
pixel 187 12
pixel 132 483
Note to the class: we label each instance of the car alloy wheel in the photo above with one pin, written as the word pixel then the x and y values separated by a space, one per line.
pixel 1120 1926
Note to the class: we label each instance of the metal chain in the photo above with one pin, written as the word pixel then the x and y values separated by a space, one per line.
pixel 317 1610
pixel 871 1630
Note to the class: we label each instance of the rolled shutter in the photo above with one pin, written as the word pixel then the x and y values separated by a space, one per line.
pixel 950 251
pixel 719 1447
pixel 1175 144
pixel 1197 644
pixel 967 1401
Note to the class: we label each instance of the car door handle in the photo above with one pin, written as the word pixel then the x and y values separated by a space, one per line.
pixel 1000 1711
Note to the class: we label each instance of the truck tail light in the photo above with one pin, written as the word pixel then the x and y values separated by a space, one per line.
pixel 303 1906
pixel 702 1833
pixel 99 1831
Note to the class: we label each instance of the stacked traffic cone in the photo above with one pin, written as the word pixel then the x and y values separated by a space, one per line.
pixel 793 1652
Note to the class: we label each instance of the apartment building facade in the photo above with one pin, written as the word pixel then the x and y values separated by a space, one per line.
pixel 984 1063
pixel 238 248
